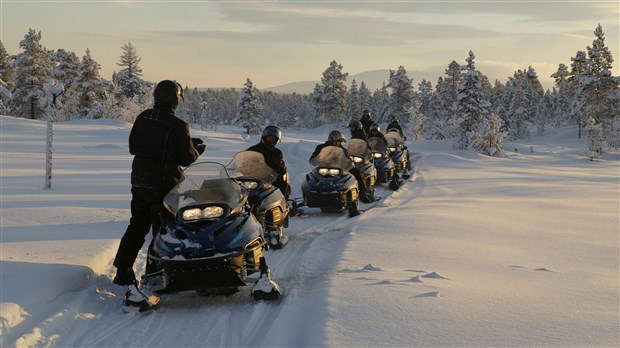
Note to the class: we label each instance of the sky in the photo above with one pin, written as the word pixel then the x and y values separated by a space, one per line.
pixel 221 43
pixel 471 251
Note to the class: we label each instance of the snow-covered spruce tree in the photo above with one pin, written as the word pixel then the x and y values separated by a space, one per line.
pixel 334 93
pixel 401 95
pixel 560 112
pixel 425 96
pixel 128 83
pixel 7 74
pixel 66 68
pixel 32 68
pixel 579 66
pixel 597 86
pixel 365 98
pixel 380 103
pixel 353 102
pixel 318 104
pixel 416 120
pixel 596 141
pixel 519 107
pixel 471 108
pixel 249 109
pixel 491 140
pixel 89 89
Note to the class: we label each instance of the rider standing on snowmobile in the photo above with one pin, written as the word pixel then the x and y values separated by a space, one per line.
pixel 273 156
pixel 375 132
pixel 366 121
pixel 336 138
pixel 161 144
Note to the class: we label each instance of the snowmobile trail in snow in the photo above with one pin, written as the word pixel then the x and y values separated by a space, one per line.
pixel 93 317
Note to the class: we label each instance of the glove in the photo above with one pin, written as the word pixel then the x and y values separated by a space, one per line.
pixel 200 148
pixel 197 141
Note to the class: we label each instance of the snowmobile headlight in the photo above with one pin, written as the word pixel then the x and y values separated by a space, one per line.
pixel 377 155
pixel 206 213
pixel 357 159
pixel 249 185
pixel 392 149
pixel 329 171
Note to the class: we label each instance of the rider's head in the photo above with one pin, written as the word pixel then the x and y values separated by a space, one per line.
pixel 168 92
pixel 271 136
pixel 355 125
pixel 375 128
pixel 336 138
pixel 366 113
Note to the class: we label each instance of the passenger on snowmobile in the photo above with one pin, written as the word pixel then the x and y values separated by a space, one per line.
pixel 161 144
pixel 357 130
pixel 336 138
pixel 375 132
pixel 398 149
pixel 395 125
pixel 273 157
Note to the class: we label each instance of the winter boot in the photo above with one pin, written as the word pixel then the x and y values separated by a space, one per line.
pixel 124 276
pixel 139 300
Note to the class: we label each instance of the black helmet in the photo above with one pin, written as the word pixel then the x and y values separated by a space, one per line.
pixel 395 122
pixel 366 112
pixel 271 131
pixel 168 92
pixel 355 125
pixel 376 127
pixel 335 136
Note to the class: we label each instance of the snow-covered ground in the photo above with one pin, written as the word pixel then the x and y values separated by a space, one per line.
pixel 471 251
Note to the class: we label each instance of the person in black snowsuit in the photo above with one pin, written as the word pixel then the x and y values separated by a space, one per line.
pixel 336 138
pixel 375 132
pixel 273 157
pixel 161 144
pixel 357 130
pixel 395 125
pixel 366 121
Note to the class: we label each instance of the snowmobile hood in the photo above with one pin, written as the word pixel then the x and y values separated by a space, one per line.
pixel 359 148
pixel 206 183
pixel 394 139
pixel 251 165
pixel 377 145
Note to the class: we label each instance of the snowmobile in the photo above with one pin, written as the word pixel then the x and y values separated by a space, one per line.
pixel 360 152
pixel 398 152
pixel 386 169
pixel 330 186
pixel 271 209
pixel 210 241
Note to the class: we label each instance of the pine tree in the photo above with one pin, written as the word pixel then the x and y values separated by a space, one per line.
pixel 560 111
pixel 89 89
pixel 380 103
pixel 334 92
pixel 519 107
pixel 597 86
pixel 353 102
pixel 470 105
pixel 249 109
pixel 128 81
pixel 7 74
pixel 416 120
pixel 66 69
pixel 490 141
pixel 596 142
pixel 32 68
pixel 401 96
pixel 365 98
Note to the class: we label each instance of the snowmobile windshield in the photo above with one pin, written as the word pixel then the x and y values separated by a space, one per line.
pixel 251 165
pixel 394 139
pixel 205 183
pixel 359 148
pixel 332 157
pixel 377 144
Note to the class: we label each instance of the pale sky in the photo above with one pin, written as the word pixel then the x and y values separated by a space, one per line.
pixel 221 43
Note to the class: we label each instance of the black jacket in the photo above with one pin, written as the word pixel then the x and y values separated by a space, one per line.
pixel 377 134
pixel 273 157
pixel 320 147
pixel 358 134
pixel 395 125
pixel 161 144
pixel 366 122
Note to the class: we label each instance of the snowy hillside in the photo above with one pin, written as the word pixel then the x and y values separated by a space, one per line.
pixel 471 251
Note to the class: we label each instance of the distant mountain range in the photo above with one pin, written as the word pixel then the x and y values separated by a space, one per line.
pixel 373 79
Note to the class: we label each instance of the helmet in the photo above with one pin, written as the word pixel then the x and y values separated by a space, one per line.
pixel 395 122
pixel 376 127
pixel 271 131
pixel 168 92
pixel 335 136
pixel 366 112
pixel 355 125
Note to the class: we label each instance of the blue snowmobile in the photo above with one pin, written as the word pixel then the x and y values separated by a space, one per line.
pixel 330 186
pixel 210 241
pixel 386 168
pixel 398 152
pixel 361 154
pixel 271 209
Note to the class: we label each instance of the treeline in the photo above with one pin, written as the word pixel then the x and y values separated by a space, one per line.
pixel 463 104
